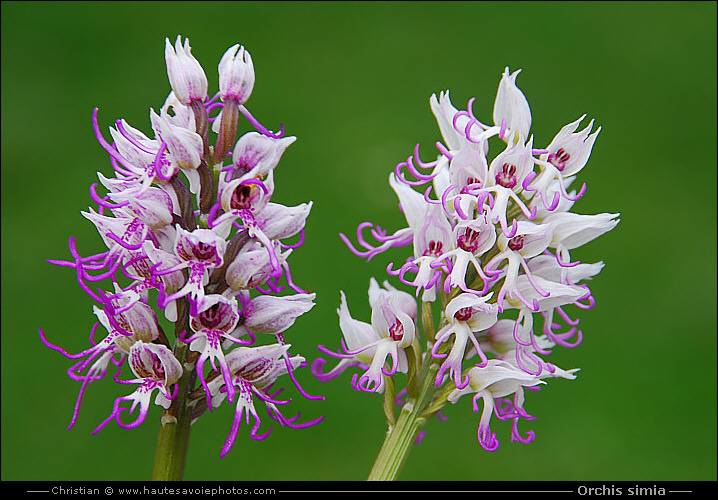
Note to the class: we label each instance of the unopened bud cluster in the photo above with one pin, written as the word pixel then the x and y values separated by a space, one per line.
pixel 191 233
pixel 491 237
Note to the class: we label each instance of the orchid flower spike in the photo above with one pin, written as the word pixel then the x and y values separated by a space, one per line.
pixel 193 260
pixel 487 284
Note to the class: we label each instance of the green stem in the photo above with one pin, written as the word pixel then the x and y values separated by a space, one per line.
pixel 401 437
pixel 173 436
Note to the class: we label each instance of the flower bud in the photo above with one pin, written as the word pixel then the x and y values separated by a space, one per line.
pixel 511 109
pixel 186 75
pixel 445 112
pixel 236 75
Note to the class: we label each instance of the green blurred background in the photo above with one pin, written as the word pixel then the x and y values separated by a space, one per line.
pixel 352 82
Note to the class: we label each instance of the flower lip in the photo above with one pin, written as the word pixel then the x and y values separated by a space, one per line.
pixel 511 109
